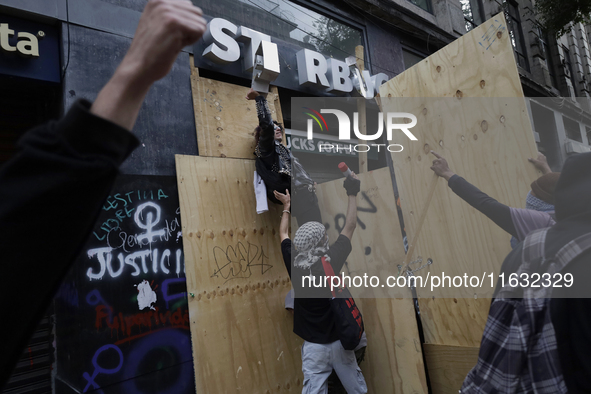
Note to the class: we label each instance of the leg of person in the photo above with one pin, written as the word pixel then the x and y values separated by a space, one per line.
pixel 316 365
pixel 334 384
pixel 345 365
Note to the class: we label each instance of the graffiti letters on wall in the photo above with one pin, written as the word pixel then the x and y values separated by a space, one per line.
pixel 122 321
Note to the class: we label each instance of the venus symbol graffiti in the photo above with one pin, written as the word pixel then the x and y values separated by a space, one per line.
pixel 122 321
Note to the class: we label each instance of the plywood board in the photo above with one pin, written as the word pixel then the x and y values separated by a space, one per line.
pixel 225 120
pixel 483 129
pixel 394 359
pixel 448 366
pixel 236 279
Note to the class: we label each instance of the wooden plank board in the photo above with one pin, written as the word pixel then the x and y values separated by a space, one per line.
pixel 448 366
pixel 241 334
pixel 393 360
pixel 483 129
pixel 224 119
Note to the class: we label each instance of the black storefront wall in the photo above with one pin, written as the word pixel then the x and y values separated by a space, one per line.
pixel 166 123
pixel 29 95
pixel 122 318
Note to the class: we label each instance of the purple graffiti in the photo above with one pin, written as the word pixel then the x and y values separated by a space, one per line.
pixel 173 342
pixel 98 369
pixel 169 297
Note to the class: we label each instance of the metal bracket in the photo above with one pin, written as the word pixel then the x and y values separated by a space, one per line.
pixel 410 272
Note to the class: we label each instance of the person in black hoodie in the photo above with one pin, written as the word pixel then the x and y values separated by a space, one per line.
pixel 279 169
pixel 52 191
pixel 569 306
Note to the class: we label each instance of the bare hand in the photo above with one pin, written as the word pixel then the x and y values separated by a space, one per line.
pixel 165 28
pixel 541 163
pixel 440 167
pixel 285 199
pixel 252 94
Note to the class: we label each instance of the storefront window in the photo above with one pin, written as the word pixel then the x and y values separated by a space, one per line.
pixel 289 22
pixel 516 31
pixel 472 10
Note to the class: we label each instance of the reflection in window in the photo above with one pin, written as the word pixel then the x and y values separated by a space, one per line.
pixel 514 24
pixel 424 4
pixel 473 15
pixel 284 20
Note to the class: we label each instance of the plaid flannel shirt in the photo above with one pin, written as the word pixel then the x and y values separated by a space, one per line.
pixel 518 352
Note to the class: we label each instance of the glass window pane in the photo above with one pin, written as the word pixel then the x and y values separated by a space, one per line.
pixel 476 11
pixel 410 59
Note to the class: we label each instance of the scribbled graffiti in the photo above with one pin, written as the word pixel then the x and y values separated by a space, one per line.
pixel 122 318
pixel 147 217
pixel 239 261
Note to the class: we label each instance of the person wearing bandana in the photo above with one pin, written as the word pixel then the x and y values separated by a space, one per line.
pixel 314 322
pixel 278 168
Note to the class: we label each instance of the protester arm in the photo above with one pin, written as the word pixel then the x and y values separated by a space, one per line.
pixel 499 213
pixel 286 252
pixel 352 185
pixel 51 194
pixel 52 191
pixel 165 28
pixel 285 199
pixel 267 137
pixel 351 218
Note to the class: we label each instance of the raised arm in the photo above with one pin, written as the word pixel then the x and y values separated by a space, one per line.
pixel 64 170
pixel 267 136
pixel 352 185
pixel 285 199
pixel 499 213
pixel 165 28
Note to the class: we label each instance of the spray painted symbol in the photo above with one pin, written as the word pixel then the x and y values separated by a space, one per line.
pixel 98 369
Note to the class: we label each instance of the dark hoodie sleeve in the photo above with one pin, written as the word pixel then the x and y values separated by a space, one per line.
pixel 494 210
pixel 267 137
pixel 51 193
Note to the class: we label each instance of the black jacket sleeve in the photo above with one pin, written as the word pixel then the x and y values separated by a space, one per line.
pixel 494 210
pixel 51 193
pixel 286 252
pixel 267 137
